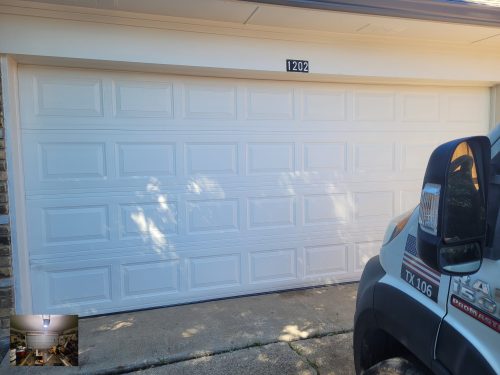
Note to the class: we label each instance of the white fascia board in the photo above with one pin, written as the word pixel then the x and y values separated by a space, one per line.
pixel 60 38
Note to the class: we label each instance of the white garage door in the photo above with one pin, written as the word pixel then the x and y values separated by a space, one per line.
pixel 41 340
pixel 148 190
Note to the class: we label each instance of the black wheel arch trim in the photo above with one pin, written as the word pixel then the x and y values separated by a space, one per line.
pixel 366 330
pixel 411 323
pixel 455 352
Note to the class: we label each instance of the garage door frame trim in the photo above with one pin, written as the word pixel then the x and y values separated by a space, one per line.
pixel 15 186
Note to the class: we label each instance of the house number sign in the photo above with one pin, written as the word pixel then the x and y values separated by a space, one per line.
pixel 299 66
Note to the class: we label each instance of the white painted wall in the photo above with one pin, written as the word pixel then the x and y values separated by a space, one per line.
pixel 219 49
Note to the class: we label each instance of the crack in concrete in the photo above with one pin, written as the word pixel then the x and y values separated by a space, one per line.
pixel 159 362
pixel 311 364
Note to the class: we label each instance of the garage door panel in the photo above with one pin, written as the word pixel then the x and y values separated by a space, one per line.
pixel 270 157
pixel 140 219
pixel 374 206
pixel 151 189
pixel 211 158
pixel 91 99
pixel 168 246
pixel 121 283
pixel 271 212
pixel 69 225
pixel 163 220
pixel 320 156
pixel 82 160
pixel 273 265
pixel 421 107
pixel 213 215
pixel 142 99
pixel 323 105
pixel 153 279
pixel 65 286
pixel 374 106
pixel 145 159
pixel 465 107
pixel 214 272
pixel 270 103
pixel 70 96
pixel 326 260
pixel 375 158
pixel 71 160
pixel 105 284
pixel 82 286
pixel 216 101
pixel 320 209
pixel 75 224
pixel 52 162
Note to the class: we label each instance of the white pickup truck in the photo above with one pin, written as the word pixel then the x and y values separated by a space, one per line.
pixel 430 302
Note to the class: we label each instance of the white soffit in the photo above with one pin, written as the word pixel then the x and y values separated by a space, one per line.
pixel 493 42
pixel 259 16
pixel 217 10
pixel 369 25
pixel 214 10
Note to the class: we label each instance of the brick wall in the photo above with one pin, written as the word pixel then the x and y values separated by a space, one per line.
pixel 6 289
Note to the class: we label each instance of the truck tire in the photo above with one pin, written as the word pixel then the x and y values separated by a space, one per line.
pixel 396 366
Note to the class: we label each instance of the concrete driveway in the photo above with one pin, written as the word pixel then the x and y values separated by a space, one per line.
pixel 298 332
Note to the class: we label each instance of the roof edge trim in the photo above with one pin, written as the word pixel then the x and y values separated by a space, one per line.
pixel 451 11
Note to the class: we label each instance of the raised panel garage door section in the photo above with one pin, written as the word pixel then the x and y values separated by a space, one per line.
pixel 147 190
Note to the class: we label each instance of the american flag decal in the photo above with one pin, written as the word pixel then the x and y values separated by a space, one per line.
pixel 415 272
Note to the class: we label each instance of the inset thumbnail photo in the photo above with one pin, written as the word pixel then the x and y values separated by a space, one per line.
pixel 44 340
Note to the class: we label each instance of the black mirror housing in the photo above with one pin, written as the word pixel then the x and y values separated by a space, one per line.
pixel 452 219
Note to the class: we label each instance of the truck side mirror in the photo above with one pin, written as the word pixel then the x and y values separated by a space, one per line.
pixel 452 219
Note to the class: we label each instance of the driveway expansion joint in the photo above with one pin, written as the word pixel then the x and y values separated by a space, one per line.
pixel 311 364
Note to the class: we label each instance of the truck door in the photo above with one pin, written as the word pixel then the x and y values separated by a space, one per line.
pixel 469 336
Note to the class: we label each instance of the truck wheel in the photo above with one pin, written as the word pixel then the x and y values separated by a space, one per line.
pixel 396 366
